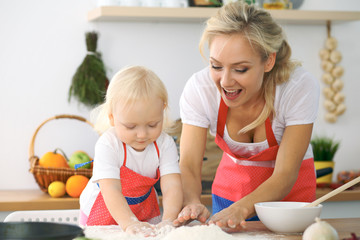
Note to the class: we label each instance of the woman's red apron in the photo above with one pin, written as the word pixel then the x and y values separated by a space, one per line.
pixel 234 181
pixel 139 193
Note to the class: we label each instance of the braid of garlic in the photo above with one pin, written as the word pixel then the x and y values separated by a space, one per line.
pixel 334 98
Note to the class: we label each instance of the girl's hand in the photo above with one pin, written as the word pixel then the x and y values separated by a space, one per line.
pixel 164 223
pixel 232 217
pixel 196 211
pixel 164 227
pixel 141 228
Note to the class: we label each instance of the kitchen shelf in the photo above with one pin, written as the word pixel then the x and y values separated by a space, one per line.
pixel 194 14
pixel 15 200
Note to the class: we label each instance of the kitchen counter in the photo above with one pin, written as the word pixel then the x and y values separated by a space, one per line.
pixel 344 227
pixel 15 200
pixel 254 230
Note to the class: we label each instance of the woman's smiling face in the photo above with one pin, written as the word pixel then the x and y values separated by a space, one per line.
pixel 237 69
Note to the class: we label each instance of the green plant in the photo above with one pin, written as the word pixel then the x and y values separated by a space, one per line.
pixel 324 148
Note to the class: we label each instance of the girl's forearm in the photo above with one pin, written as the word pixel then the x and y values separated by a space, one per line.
pixel 116 203
pixel 172 196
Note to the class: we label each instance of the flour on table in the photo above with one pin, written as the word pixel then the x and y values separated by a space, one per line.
pixel 194 232
pixel 211 232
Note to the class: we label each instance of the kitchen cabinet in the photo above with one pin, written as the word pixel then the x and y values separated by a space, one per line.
pixel 199 14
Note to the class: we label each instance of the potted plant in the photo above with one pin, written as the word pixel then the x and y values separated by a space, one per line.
pixel 324 149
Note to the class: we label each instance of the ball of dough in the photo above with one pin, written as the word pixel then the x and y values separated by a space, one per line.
pixel 340 109
pixel 337 71
pixel 337 85
pixel 335 56
pixel 327 66
pixel 324 54
pixel 339 98
pixel 331 43
pixel 328 78
pixel 330 117
pixel 328 93
pixel 329 105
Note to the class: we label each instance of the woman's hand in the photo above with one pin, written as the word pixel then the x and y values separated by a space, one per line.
pixel 196 211
pixel 141 228
pixel 232 217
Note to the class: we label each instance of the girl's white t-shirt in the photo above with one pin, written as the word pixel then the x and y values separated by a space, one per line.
pixel 296 103
pixel 109 157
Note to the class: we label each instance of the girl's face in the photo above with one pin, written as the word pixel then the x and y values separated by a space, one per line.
pixel 237 70
pixel 140 124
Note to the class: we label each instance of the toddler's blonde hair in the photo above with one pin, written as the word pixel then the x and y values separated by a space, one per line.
pixel 129 85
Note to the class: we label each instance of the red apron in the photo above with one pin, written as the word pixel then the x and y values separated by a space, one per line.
pixel 234 181
pixel 139 193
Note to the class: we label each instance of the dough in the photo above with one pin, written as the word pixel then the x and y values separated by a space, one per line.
pixel 199 232
pixel 208 232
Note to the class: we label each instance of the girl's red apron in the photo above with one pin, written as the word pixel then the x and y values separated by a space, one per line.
pixel 234 181
pixel 139 193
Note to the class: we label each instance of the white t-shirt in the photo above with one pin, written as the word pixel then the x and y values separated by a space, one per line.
pixel 109 157
pixel 296 103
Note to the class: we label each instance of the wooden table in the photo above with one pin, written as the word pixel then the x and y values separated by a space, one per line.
pixel 15 200
pixel 344 227
pixel 253 230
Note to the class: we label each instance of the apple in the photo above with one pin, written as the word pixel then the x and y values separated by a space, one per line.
pixel 79 157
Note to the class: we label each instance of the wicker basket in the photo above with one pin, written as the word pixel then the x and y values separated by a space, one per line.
pixel 44 176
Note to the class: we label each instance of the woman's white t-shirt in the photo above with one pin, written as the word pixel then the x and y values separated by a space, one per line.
pixel 109 157
pixel 296 103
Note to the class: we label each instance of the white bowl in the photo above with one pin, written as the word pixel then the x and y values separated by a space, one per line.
pixel 287 217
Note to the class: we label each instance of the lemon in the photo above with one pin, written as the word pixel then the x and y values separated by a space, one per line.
pixel 56 189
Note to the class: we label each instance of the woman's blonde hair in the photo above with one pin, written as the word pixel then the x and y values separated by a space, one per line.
pixel 264 35
pixel 129 85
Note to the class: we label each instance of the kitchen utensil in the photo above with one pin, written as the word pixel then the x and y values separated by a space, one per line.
pixel 334 192
pixel 39 231
pixel 287 217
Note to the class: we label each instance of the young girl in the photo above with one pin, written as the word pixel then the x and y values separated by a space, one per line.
pixel 131 155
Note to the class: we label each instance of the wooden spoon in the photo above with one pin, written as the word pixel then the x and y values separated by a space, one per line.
pixel 334 192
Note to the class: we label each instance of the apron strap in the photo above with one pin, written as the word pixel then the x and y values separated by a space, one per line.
pixel 156 147
pixel 124 145
pixel 223 109
pixel 270 137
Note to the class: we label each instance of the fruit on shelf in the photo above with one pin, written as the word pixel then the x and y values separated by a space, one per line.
pixel 80 157
pixel 56 189
pixel 75 185
pixel 54 159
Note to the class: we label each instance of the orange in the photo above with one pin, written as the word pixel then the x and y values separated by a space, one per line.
pixel 53 159
pixel 75 185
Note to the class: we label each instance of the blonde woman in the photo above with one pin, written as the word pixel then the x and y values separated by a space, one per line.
pixel 261 107
pixel 132 153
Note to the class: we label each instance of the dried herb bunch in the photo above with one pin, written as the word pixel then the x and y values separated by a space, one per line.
pixel 89 83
